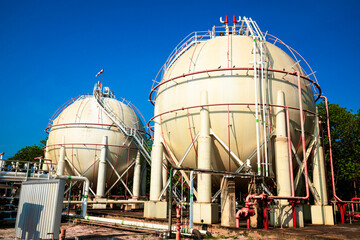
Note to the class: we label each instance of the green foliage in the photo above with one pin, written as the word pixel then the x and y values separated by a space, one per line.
pixel 28 153
pixel 345 142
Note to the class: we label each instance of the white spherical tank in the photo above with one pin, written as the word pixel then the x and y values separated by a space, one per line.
pixel 81 127
pixel 223 66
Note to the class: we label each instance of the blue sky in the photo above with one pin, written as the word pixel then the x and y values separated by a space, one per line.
pixel 50 50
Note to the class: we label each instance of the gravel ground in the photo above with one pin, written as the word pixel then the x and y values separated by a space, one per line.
pixel 84 231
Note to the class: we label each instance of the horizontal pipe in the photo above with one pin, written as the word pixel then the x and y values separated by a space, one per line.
pixel 214 172
pixel 106 201
pixel 92 124
pixel 91 144
pixel 144 225
pixel 18 175
pixel 86 190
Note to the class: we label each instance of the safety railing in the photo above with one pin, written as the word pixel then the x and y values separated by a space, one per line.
pixel 243 27
pixel 61 108
pixel 17 168
pixel 138 137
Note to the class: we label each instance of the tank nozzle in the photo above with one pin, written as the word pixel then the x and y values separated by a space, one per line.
pixel 236 21
pixel 226 20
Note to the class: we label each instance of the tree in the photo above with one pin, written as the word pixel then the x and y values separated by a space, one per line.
pixel 345 141
pixel 28 153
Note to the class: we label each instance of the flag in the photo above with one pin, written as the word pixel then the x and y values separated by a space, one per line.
pixel 101 71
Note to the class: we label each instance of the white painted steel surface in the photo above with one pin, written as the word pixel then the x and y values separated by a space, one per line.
pixel 83 125
pixel 232 86
pixel 39 209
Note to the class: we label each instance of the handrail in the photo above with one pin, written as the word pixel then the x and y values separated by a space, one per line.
pixel 61 108
pixel 131 132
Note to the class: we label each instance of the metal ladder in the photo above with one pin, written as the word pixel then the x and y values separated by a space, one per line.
pixel 258 49
pixel 130 132
pixel 139 140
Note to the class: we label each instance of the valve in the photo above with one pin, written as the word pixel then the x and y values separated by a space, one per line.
pixel 226 24
pixel 226 20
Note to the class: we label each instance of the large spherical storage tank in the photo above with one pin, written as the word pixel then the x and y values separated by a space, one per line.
pixel 218 65
pixel 80 128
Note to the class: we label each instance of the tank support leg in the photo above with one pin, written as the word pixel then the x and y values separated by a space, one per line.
pixel 136 182
pixel 100 189
pixel 204 160
pixel 321 212
pixel 61 162
pixel 155 208
pixel 143 180
pixel 283 214
pixel 281 151
pixel 204 211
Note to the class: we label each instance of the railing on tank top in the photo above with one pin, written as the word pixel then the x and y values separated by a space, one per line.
pixel 239 29
pixel 61 108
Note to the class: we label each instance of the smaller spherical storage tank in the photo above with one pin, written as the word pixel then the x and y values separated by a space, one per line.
pixel 81 127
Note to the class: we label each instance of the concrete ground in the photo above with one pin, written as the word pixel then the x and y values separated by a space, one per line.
pixel 339 231
pixel 84 231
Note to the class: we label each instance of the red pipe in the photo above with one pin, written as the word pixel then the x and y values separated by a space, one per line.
pixel 178 222
pixel 330 150
pixel 265 215
pixel 244 212
pixel 52 235
pixel 294 214
pixel 290 153
pixel 91 144
pixel 303 148
pixel 341 203
pixel 353 209
pixel 229 69
pixel 247 212
pixel 293 204
pixel 62 234
pixel 222 104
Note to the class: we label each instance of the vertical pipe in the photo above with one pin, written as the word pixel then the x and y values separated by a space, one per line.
pixel 281 151
pixel 86 190
pixel 156 160
pixel 294 213
pixel 256 109
pixel 170 202
pixel 290 154
pixel 264 107
pixel 136 181
pixel 342 213
pixel 164 171
pixel 2 162
pixel 178 222
pixel 265 213
pixel 250 28
pixel 319 166
pixel 143 181
pixel 61 162
pixel 302 131
pixel 191 198
pixel 100 188
pixel 204 159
